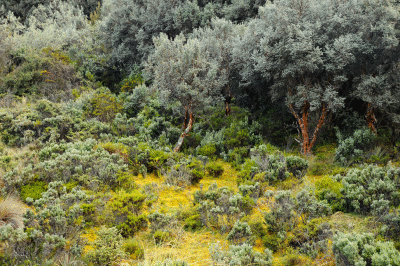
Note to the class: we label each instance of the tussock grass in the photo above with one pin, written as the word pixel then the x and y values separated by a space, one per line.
pixel 11 212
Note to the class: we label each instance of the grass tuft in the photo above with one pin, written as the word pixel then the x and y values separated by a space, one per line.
pixel 11 212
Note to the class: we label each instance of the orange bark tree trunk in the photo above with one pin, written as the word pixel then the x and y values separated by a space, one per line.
pixel 307 143
pixel 371 120
pixel 185 133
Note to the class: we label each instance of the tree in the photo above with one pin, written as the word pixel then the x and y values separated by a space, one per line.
pixel 308 49
pixel 185 71
pixel 220 38
pixel 129 27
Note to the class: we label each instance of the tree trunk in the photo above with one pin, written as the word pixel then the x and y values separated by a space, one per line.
pixel 371 120
pixel 306 144
pixel 184 134
pixel 185 121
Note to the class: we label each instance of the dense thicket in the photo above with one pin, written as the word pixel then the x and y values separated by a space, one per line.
pixel 117 117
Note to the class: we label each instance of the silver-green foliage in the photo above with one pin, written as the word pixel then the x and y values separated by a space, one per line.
pixel 52 227
pixel 129 27
pixel 241 255
pixel 363 250
pixel 372 189
pixel 185 71
pixel 286 211
pixel 108 247
pixel 81 162
pixel 220 207
pixel 56 24
pixel 352 149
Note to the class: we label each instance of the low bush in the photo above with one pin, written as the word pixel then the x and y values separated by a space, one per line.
pixel 193 223
pixel 220 207
pixel 352 149
pixel 362 249
pixel 132 225
pixel 240 233
pixel 134 249
pixel 371 189
pixel 108 248
pixel 82 162
pixel 33 190
pixel 188 171
pixel 215 169
pixel 126 208
pixel 288 212
pixel 241 255
pixel 161 237
pixel 51 227
pixel 266 168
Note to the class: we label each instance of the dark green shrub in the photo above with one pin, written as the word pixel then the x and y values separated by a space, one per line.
pixel 328 189
pixel 196 176
pixel 296 165
pixel 272 241
pixel 132 225
pixel 215 169
pixel 193 223
pixel 33 190
pixel 133 248
pixel 89 212
pixel 124 204
pixel 207 150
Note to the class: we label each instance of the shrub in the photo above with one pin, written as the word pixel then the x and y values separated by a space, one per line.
pixel 52 227
pixel 370 188
pixel 132 225
pixel 189 171
pixel 81 161
pixel 104 105
pixel 240 233
pixel 193 223
pixel 351 149
pixel 330 190
pixel 296 165
pixel 108 247
pixel 124 204
pixel 11 212
pixel 287 211
pixel 133 248
pixel 363 249
pixel 215 169
pixel 242 255
pixel 170 262
pixel 33 190
pixel 220 207
pixel 159 221
pixel 207 150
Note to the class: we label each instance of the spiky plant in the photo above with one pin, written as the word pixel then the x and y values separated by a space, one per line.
pixel 11 212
